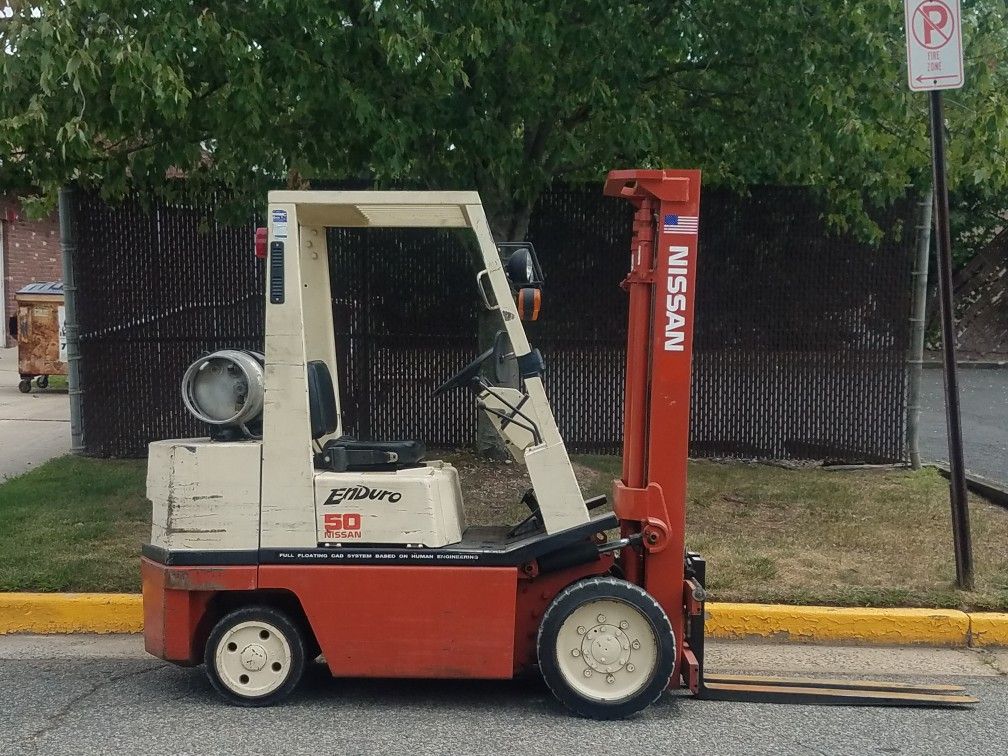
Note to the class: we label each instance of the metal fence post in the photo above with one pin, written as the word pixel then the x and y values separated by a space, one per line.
pixel 68 251
pixel 918 317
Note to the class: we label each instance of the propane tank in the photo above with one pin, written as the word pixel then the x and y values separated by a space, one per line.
pixel 225 389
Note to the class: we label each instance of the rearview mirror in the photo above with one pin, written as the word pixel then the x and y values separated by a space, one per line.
pixel 519 267
pixel 520 264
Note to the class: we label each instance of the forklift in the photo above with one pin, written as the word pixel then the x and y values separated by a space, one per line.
pixel 278 538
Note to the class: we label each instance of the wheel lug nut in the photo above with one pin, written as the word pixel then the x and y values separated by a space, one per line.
pixel 610 679
pixel 624 624
pixel 601 618
pixel 587 673
pixel 581 630
pixel 636 644
pixel 575 652
pixel 630 667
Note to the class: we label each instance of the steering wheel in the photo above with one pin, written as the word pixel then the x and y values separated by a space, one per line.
pixel 466 376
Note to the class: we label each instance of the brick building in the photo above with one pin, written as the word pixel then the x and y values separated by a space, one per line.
pixel 29 251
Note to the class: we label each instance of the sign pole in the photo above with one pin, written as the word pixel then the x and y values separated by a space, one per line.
pixel 957 475
pixel 934 53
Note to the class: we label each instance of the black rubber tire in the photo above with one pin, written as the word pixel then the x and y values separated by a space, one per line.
pixel 42 381
pixel 291 632
pixel 24 385
pixel 570 599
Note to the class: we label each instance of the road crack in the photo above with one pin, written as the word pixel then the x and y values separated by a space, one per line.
pixel 992 661
pixel 57 717
pixel 811 748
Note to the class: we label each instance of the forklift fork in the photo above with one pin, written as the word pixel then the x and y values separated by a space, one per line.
pixel 791 690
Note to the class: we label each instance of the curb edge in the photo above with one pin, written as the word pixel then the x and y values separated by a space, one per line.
pixel 50 613
pixel 991 490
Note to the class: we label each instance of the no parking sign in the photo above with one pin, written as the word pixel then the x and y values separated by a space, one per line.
pixel 934 44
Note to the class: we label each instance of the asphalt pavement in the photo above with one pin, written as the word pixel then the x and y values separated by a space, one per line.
pixel 983 404
pixel 101 694
pixel 34 427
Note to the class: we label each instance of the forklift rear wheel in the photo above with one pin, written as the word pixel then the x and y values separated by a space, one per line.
pixel 255 656
pixel 24 385
pixel 606 648
pixel 42 381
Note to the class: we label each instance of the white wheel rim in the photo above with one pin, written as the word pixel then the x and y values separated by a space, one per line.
pixel 253 659
pixel 607 650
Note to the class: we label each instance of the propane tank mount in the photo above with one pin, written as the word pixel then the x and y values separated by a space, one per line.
pixel 225 390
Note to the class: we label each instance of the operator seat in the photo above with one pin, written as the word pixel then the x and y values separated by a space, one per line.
pixel 346 454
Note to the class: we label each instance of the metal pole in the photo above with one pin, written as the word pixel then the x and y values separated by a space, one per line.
pixel 3 289
pixel 957 477
pixel 917 322
pixel 68 250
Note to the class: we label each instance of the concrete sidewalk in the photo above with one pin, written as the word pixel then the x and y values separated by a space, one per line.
pixel 34 427
pixel 723 656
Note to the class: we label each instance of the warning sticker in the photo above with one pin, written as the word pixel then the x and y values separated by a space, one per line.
pixel 61 314
pixel 279 224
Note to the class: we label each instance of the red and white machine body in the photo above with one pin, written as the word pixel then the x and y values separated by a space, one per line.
pixel 266 551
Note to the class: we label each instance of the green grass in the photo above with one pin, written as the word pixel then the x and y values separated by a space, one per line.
pixel 57 383
pixel 878 537
pixel 872 537
pixel 74 524
pixel 810 536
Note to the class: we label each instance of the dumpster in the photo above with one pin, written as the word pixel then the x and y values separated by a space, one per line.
pixel 40 334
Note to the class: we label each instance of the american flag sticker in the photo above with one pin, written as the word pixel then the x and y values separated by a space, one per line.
pixel 680 224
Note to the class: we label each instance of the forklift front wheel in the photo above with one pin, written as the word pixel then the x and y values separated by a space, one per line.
pixel 606 648
pixel 255 656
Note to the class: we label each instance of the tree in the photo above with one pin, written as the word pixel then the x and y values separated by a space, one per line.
pixel 505 96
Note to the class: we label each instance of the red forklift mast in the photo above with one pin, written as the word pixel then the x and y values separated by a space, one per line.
pixel 650 498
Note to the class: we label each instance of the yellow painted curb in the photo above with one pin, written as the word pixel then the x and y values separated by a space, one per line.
pixel 71 613
pixel 988 629
pixel 123 613
pixel 827 624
